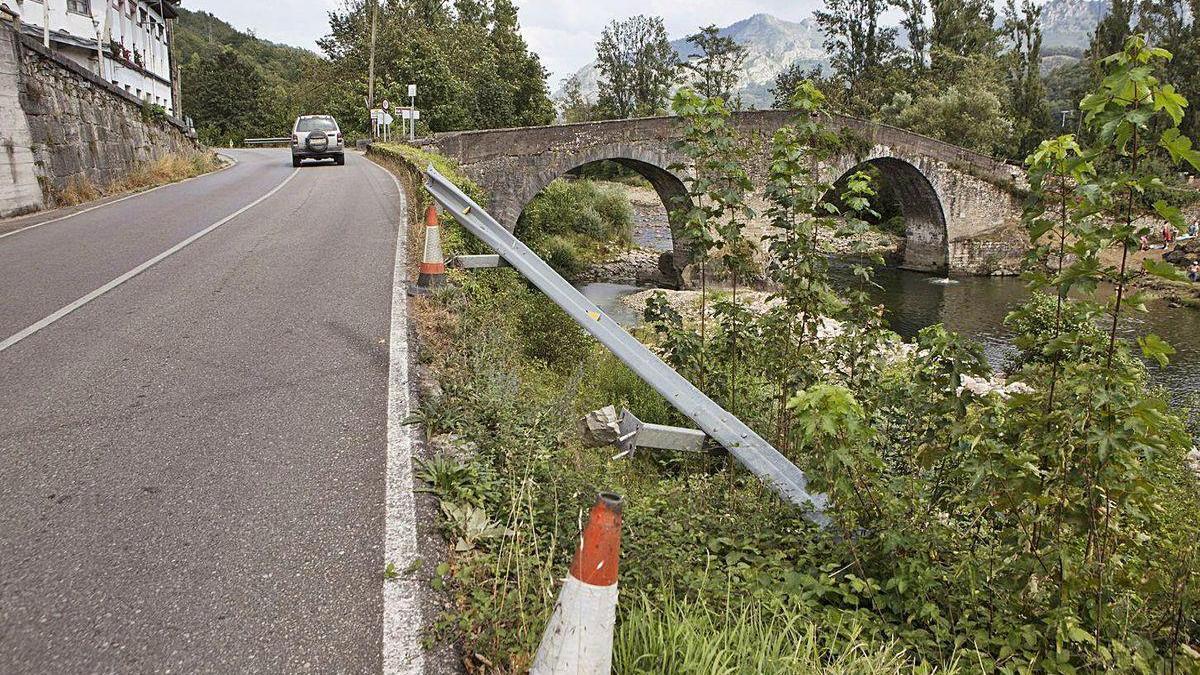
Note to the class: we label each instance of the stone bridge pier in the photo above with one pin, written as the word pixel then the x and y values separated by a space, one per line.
pixel 961 211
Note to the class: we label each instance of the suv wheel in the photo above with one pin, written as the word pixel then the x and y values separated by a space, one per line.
pixel 341 160
pixel 296 162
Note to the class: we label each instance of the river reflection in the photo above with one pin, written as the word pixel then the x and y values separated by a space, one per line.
pixel 976 307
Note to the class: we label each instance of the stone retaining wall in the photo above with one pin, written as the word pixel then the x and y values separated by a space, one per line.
pixel 81 129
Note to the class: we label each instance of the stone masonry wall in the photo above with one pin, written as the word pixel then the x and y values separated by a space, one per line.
pixel 960 206
pixel 82 128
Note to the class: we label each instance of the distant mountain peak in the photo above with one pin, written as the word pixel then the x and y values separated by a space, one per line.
pixel 774 44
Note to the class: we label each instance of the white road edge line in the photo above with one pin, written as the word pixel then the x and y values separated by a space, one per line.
pixel 233 162
pixel 402 652
pixel 14 339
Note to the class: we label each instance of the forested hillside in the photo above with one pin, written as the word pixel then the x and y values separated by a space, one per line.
pixel 237 85
pixel 472 67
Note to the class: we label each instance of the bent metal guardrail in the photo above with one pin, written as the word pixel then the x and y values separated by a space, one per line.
pixel 750 449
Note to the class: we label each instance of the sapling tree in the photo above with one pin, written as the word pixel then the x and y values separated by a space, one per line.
pixel 803 212
pixel 717 184
pixel 1067 466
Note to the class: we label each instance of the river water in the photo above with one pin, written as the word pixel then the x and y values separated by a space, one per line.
pixel 976 307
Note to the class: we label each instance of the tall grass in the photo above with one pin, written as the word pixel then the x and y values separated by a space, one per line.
pixel 145 175
pixel 669 634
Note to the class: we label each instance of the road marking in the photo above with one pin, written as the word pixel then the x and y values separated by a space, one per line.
pixel 402 652
pixel 14 339
pixel 233 162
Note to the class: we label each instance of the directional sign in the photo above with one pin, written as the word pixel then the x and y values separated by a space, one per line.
pixel 410 114
pixel 376 115
pixel 386 120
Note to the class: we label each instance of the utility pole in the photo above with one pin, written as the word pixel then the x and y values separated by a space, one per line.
pixel 371 67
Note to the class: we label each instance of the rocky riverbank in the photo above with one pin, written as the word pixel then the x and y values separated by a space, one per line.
pixel 650 264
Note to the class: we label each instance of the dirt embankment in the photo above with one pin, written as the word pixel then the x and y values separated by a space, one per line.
pixel 1179 253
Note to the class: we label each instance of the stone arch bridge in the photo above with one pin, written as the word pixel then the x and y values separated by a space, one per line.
pixel 960 207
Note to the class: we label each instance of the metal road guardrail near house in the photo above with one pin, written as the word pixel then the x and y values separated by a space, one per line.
pixel 750 449
pixel 268 141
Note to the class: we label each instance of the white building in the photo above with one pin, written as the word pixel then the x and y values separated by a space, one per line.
pixel 135 36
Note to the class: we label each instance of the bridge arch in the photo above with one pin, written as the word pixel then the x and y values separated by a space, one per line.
pixel 653 163
pixel 926 234
pixel 962 207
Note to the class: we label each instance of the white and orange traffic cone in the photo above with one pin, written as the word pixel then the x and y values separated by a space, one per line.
pixel 433 265
pixel 578 639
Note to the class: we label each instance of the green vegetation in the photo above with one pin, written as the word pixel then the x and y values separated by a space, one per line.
pixel 717 64
pixel 1041 523
pixel 666 634
pixel 637 67
pixel 471 66
pixel 410 164
pixel 236 85
pixel 573 223
pixel 473 70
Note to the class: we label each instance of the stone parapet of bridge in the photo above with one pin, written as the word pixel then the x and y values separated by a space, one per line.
pixel 961 207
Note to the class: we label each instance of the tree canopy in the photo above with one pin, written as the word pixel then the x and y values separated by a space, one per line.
pixel 637 67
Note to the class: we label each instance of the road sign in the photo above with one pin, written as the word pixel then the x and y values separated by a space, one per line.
pixel 412 90
pixel 376 115
pixel 386 104
pixel 410 114
pixel 386 120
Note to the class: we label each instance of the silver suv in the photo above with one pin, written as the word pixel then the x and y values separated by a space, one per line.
pixel 317 137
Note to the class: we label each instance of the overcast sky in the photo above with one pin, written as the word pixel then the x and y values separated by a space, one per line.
pixel 562 32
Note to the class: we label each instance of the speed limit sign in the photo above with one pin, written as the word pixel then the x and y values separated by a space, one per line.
pixel 386 105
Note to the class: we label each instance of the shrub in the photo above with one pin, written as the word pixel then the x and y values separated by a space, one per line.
pixel 555 210
pixel 551 336
pixel 153 113
pixel 591 224
pixel 562 254
pixel 611 382
pixel 617 215
pixel 577 207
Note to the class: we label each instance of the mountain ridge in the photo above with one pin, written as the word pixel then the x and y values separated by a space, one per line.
pixel 775 43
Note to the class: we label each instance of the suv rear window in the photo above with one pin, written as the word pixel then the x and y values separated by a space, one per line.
pixel 316 124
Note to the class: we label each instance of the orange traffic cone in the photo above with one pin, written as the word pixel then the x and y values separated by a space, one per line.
pixel 433 265
pixel 578 639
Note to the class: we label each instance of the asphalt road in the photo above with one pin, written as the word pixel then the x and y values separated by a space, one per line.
pixel 193 463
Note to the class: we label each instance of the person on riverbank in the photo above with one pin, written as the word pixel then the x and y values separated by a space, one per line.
pixel 1194 272
pixel 1168 234
pixel 1194 230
